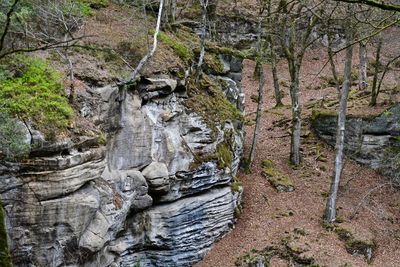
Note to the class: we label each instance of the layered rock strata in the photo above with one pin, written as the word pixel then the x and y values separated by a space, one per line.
pixel 373 141
pixel 151 195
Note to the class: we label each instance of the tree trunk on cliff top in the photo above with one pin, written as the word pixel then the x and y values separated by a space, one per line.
pixel 134 75
pixel 204 4
pixel 330 210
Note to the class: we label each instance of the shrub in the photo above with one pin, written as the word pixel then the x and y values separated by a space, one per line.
pixel 31 90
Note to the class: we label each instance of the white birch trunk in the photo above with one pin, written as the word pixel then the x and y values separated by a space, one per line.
pixel 149 55
pixel 330 211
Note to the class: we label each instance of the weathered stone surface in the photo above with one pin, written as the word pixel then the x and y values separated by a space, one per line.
pixel 156 175
pixel 140 197
pixel 176 234
pixel 370 141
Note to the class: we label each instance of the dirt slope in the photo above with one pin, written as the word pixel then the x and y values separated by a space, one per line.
pixel 269 216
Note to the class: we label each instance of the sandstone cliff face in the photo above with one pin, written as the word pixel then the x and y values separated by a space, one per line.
pixel 158 193
pixel 371 141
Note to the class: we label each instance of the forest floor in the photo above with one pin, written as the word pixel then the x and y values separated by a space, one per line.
pixel 269 218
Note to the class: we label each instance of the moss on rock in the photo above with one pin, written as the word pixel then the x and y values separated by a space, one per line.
pixel 357 241
pixel 213 64
pixel 208 101
pixel 281 182
pixel 179 48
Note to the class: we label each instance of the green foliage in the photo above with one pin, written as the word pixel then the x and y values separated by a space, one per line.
pixel 22 14
pixel 5 260
pixel 82 8
pixel 85 7
pixel 31 90
pixel 12 135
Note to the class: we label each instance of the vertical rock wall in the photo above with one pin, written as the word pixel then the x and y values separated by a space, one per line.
pixel 144 197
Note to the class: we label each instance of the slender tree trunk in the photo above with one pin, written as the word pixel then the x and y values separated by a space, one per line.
pixel 204 4
pixel 296 114
pixel 385 69
pixel 374 92
pixel 330 210
pixel 173 11
pixel 258 116
pixel 260 60
pixel 332 63
pixel 363 79
pixel 146 25
pixel 150 54
pixel 258 67
pixel 278 96
pixel 166 13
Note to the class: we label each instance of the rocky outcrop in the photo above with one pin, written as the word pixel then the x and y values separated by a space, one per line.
pixel 157 193
pixel 371 141
pixel 236 31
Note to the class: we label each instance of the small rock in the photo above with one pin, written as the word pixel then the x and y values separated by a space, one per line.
pixel 156 175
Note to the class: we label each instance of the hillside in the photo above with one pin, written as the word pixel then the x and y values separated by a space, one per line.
pixel 100 167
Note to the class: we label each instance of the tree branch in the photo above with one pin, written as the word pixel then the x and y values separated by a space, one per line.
pixel 373 3
pixel 7 25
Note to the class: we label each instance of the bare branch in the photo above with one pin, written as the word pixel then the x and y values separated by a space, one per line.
pixel 7 25
pixel 373 3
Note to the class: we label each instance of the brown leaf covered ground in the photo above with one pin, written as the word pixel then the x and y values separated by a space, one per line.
pixel 269 216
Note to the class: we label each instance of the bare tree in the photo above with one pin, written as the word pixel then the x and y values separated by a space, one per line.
pixel 260 60
pixel 293 17
pixel 135 74
pixel 381 5
pixel 330 210
pixel 50 25
pixel 272 53
pixel 204 5
pixel 374 91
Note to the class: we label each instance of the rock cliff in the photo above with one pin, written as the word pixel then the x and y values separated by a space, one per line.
pixel 154 190
pixel 371 141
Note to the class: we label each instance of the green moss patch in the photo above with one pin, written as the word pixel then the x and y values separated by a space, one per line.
pixel 281 182
pixel 208 100
pixel 357 241
pixel 179 48
pixel 213 64
pixel 294 249
pixel 31 90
